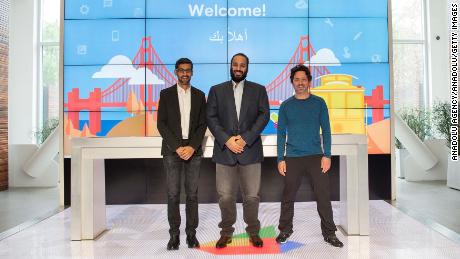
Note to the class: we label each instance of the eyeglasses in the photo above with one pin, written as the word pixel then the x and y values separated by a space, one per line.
pixel 180 70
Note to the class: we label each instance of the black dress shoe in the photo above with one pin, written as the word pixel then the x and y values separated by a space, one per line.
pixel 256 241
pixel 282 237
pixel 192 242
pixel 223 241
pixel 333 240
pixel 173 243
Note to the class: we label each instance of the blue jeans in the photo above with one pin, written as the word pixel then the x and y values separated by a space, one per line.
pixel 174 166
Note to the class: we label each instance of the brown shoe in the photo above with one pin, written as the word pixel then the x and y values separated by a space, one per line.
pixel 256 241
pixel 223 241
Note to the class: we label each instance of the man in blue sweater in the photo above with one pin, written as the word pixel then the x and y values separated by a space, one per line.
pixel 302 116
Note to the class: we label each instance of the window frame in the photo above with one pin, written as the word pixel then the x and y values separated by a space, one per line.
pixel 41 45
pixel 425 98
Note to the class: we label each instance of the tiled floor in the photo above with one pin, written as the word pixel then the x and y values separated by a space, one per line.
pixel 22 205
pixel 141 231
pixel 430 202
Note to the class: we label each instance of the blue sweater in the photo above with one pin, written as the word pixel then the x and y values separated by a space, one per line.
pixel 302 119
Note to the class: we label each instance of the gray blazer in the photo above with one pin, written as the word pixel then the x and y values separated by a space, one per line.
pixel 223 122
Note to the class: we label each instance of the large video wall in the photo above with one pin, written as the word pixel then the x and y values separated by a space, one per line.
pixel 119 54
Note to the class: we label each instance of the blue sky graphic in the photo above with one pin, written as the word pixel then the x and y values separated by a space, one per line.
pixel 356 31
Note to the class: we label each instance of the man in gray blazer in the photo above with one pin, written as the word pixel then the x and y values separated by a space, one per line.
pixel 237 112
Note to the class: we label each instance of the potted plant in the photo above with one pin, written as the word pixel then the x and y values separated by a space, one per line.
pixel 419 121
pixel 442 124
pixel 48 128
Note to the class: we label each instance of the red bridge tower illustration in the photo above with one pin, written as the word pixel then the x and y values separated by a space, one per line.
pixel 116 95
pixel 280 88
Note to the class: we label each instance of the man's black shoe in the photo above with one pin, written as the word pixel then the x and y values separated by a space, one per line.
pixel 223 241
pixel 333 240
pixel 282 237
pixel 173 243
pixel 192 242
pixel 256 241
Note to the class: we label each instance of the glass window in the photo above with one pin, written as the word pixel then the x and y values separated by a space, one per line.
pixel 408 74
pixel 407 16
pixel 50 82
pixel 48 66
pixel 409 61
pixel 50 12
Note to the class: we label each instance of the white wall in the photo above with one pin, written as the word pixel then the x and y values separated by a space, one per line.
pixel 438 50
pixel 19 178
pixel 22 79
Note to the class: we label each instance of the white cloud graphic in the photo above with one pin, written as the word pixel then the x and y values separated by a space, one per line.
pixel 119 71
pixel 120 60
pixel 120 67
pixel 141 75
pixel 153 79
pixel 324 57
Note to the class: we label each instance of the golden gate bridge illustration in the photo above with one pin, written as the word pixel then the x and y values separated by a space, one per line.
pixel 278 90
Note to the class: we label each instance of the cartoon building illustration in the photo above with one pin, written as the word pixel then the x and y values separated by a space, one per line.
pixel 344 101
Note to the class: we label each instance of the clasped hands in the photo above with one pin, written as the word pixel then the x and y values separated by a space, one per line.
pixel 185 152
pixel 236 144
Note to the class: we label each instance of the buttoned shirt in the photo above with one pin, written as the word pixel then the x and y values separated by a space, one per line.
pixel 238 94
pixel 185 104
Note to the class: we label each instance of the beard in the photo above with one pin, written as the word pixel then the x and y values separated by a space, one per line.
pixel 238 79
pixel 184 81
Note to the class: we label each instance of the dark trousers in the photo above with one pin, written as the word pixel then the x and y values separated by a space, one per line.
pixel 227 180
pixel 296 167
pixel 174 167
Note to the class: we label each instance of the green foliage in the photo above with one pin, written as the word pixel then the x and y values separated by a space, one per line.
pixel 43 133
pixel 441 120
pixel 419 120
